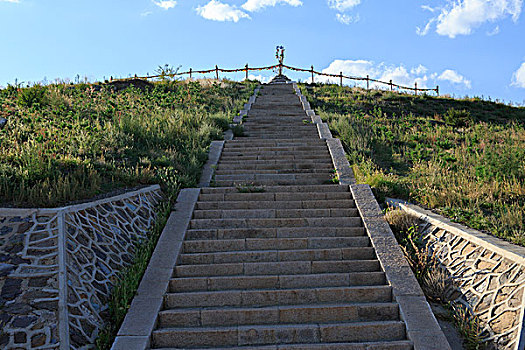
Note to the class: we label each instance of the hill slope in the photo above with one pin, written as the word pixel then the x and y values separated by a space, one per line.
pixel 464 158
pixel 66 143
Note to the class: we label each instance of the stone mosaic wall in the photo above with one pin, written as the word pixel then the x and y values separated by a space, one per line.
pixel 488 283
pixel 100 242
pixel 60 264
pixel 29 280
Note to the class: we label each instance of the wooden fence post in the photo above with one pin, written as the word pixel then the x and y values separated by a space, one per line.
pixel 217 72
pixel 391 85
pixel 437 90
pixel 190 73
pixel 246 71
pixel 415 87
pixel 313 74
pixel 341 78
pixel 367 82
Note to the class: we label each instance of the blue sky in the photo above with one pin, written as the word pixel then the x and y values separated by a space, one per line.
pixel 467 47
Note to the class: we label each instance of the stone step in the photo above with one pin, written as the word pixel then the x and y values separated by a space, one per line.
pixel 312 204
pixel 280 136
pixel 232 166
pixel 324 280
pixel 250 152
pixel 296 111
pixel 256 126
pixel 277 268
pixel 283 134
pixel 283 170
pixel 288 115
pixel 229 148
pixel 226 245
pixel 272 297
pixel 260 117
pixel 249 256
pixel 291 104
pixel 273 213
pixel 391 345
pixel 269 156
pixel 283 222
pixel 319 189
pixel 261 233
pixel 279 162
pixel 263 119
pixel 259 193
pixel 279 334
pixel 271 177
pixel 244 143
pixel 284 130
pixel 282 180
pixel 289 178
pixel 291 314
pixel 273 143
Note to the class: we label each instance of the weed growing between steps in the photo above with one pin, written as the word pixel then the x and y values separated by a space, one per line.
pixel 434 280
pixel 238 130
pixel 464 158
pixel 65 143
pixel 250 188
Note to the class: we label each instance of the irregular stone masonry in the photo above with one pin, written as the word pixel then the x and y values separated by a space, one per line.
pixel 488 274
pixel 59 264
pixel 279 254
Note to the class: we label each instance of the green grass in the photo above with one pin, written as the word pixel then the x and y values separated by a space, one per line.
pixel 67 142
pixel 464 158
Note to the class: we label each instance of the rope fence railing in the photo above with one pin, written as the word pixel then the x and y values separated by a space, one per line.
pixel 246 69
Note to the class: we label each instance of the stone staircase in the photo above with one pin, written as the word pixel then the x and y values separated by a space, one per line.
pixel 290 265
pixel 275 254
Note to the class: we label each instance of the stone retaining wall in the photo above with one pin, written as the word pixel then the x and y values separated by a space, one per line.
pixel 57 267
pixel 489 275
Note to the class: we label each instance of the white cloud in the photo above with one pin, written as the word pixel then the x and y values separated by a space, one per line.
pixel 518 78
pixel 428 8
pixel 165 4
pixel 260 78
pixel 217 11
pixel 494 31
pixel 146 14
pixel 424 31
pixel 461 17
pixel 455 78
pixel 419 70
pixel 346 19
pixel 343 5
pixel 13 1
pixel 399 75
pixel 257 5
pixel 357 68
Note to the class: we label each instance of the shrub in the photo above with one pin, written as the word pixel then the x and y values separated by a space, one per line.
pixel 457 118
pixel 238 130
pixel 31 96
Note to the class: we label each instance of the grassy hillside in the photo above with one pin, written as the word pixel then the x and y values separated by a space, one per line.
pixel 465 158
pixel 65 142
